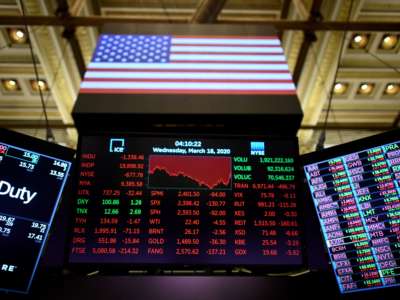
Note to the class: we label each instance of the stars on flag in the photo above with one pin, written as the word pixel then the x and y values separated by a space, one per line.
pixel 133 49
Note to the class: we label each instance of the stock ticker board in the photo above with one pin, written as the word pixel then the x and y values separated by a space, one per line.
pixel 357 200
pixel 30 188
pixel 166 200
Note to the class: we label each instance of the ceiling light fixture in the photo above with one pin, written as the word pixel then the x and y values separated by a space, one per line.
pixel 359 41
pixel 17 35
pixel 389 41
pixel 365 88
pixel 10 85
pixel 340 88
pixel 40 84
pixel 392 88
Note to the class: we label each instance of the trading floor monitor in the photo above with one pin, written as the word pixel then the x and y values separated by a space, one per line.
pixel 33 174
pixel 356 191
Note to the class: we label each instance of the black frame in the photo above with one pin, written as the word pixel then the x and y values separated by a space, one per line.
pixel 138 111
pixel 192 269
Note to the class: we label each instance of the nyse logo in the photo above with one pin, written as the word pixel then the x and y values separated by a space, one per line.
pixel 23 194
pixel 257 148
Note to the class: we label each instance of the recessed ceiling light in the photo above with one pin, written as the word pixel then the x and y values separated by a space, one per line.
pixel 17 35
pixel 340 88
pixel 40 84
pixel 392 88
pixel 389 41
pixel 359 41
pixel 365 88
pixel 10 85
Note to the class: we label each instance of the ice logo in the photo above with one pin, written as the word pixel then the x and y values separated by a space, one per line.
pixel 257 148
pixel 22 194
pixel 117 145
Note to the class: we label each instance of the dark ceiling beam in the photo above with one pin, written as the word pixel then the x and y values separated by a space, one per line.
pixel 278 24
pixel 309 37
pixel 348 126
pixel 96 10
pixel 207 11
pixel 396 122
pixel 96 7
pixel 332 126
pixel 285 9
pixel 34 125
pixel 69 34
pixel 284 14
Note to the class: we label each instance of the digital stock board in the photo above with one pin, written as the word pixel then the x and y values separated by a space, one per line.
pixel 356 192
pixel 33 174
pixel 176 200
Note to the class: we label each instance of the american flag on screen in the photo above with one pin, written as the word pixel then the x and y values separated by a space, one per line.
pixel 164 64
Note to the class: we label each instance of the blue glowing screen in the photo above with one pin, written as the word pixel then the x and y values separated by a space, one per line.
pixel 357 199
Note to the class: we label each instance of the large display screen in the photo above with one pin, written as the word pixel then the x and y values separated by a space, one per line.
pixel 176 200
pixel 356 192
pixel 32 176
pixel 181 64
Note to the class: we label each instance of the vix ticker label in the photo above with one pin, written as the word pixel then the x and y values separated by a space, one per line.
pixel 23 194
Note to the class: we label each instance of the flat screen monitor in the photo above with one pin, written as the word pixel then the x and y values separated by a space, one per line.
pixel 177 200
pixel 33 174
pixel 355 188
pixel 188 73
